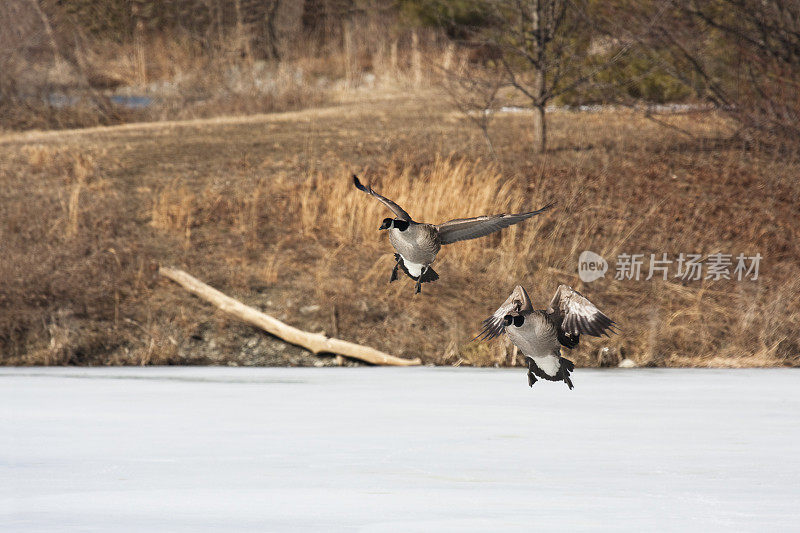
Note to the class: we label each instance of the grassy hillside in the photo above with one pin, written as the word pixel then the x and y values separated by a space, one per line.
pixel 262 208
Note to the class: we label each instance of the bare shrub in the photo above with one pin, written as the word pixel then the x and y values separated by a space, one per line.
pixel 742 56
pixel 474 91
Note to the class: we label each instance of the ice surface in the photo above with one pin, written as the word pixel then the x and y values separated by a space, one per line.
pixel 390 449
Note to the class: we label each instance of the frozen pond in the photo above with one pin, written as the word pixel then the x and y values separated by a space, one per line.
pixel 413 449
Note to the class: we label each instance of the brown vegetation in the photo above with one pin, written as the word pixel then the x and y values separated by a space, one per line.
pixel 88 64
pixel 262 208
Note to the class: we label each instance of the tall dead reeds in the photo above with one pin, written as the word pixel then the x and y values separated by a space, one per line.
pixel 448 188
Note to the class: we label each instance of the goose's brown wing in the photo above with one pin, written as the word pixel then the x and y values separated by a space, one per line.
pixel 576 315
pixel 462 229
pixel 396 209
pixel 518 302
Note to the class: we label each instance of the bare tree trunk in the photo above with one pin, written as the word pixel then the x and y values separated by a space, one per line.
pixel 416 59
pixel 138 43
pixel 539 129
pixel 349 55
pixel 539 119
pixel 271 28
pixel 242 40
pixel 449 52
pixel 539 23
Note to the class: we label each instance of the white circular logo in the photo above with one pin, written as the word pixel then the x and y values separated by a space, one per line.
pixel 591 266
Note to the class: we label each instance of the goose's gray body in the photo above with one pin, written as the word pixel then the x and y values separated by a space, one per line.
pixel 537 339
pixel 417 243
pixel 540 334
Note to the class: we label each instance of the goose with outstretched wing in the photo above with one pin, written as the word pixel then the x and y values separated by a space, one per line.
pixel 540 334
pixel 417 243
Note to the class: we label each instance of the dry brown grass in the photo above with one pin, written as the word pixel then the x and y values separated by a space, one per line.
pixel 188 79
pixel 264 209
pixel 437 192
pixel 667 318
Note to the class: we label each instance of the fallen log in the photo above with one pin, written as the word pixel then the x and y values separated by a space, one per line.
pixel 314 342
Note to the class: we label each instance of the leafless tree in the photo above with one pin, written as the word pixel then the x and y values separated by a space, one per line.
pixel 474 91
pixel 538 41
pixel 742 56
pixel 540 47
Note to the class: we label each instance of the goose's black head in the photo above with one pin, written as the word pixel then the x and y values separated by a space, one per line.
pixel 396 223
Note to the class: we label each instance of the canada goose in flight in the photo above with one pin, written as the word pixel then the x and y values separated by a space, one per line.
pixel 540 334
pixel 418 243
